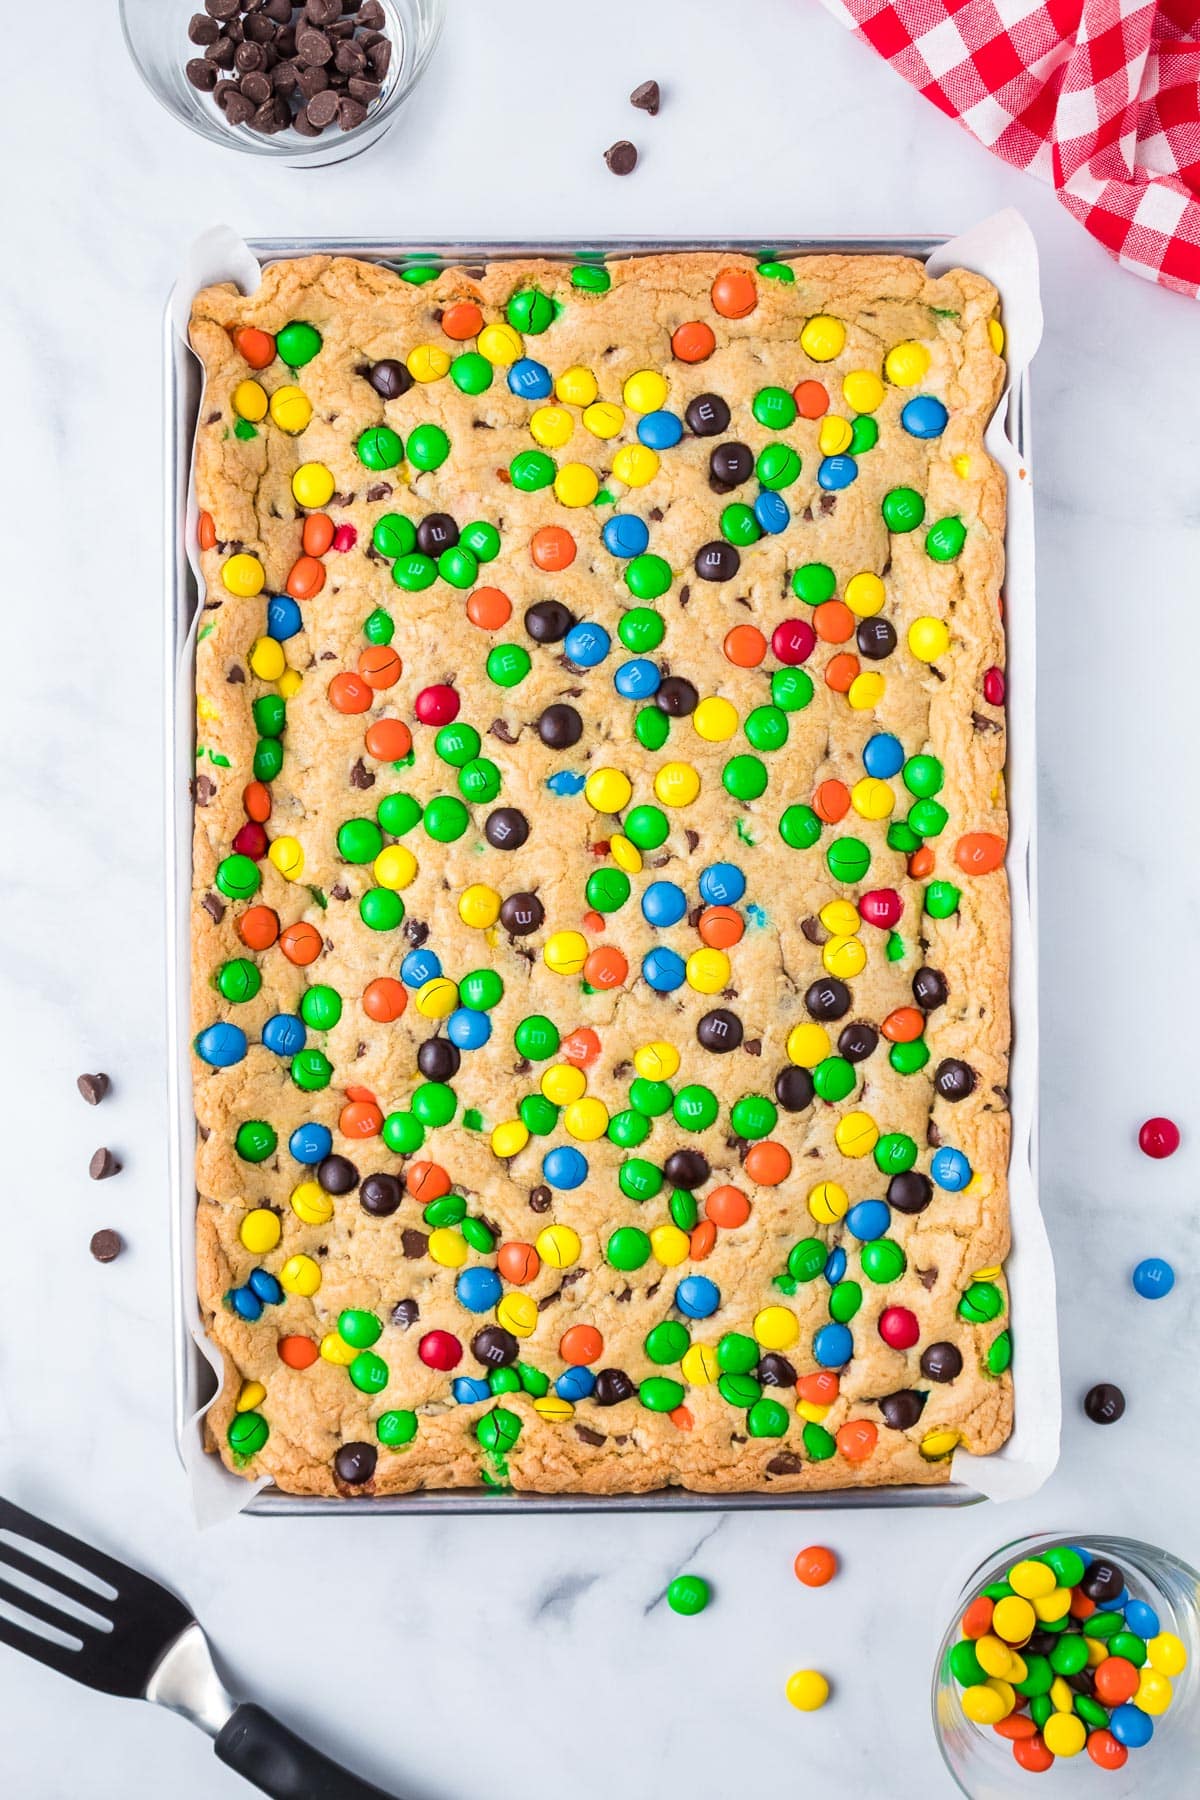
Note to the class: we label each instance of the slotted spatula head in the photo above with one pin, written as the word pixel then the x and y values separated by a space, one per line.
pixel 132 1619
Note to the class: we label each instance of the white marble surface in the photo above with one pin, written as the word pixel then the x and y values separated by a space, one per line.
pixel 514 1657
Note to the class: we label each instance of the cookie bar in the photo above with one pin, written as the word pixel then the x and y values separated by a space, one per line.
pixel 600 916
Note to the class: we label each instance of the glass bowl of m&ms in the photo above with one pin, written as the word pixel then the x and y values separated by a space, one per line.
pixel 306 82
pixel 1075 1658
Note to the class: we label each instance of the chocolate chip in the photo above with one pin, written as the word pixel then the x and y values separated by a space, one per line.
pixel 941 1362
pixel 828 998
pixel 499 729
pixel 313 47
pixel 438 1059
pixel 361 776
pixel 380 1195
pixel 322 12
pixel 389 378
pixel 371 15
pixel 495 1347
pixel 257 87
pixel 311 81
pixel 355 1463
pixel 93 1088
pixel 506 828
pixel 213 907
pixel 621 157
pixel 677 697
pixel 221 9
pixel 794 1089
pixel 202 74
pixel 646 97
pixel 521 913
pixel 322 109
pixel 102 1165
pixel 362 90
pixel 106 1246
pixel 380 57
pixel 258 29
pixel 719 1031
pixel 902 1410
pixel 707 416
pixel 613 1386
pixel 248 58
pixel 349 59
pixel 405 1313
pixel 337 1174
pixel 559 727
pixel 717 561
pixel 350 114
pixel 687 1169
pixel 414 1243
pixel 730 465
pixel 222 53
pixel 548 621
pixel 953 1079
pixel 238 110
pixel 203 29
pixel 814 931
pixel 785 1463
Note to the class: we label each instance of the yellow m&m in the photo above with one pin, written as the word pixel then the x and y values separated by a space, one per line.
pixel 715 720
pixel 428 362
pixel 250 1395
pixel 291 409
pixel 250 401
pixel 608 790
pixel 807 1045
pixel 260 1231
pixel 563 1083
pixel 311 1204
pixel 776 1328
pixel 551 426
pixel 437 998
pixel 448 1248
pixel 335 1349
pixel 670 1245
pixel 552 1409
pixel 558 1246
pixel 395 867
pixel 835 435
pixel 300 1275
pixel 243 575
pixel 823 338
pixel 906 364
pixel 827 1202
pixel 635 464
pixel 576 484
pixel 287 855
pixel 518 1313
pixel 872 798
pixel 576 386
pixel 844 957
pixel 479 906
pixel 708 971
pixel 928 639
pixel 866 691
pixel 645 391
pixel 509 1139
pixel 604 419
pixel 266 659
pixel 699 1365
pixel 500 344
pixel 657 1061
pixel 313 485
pixel 677 784
pixel 865 594
pixel 586 1119
pixel 856 1134
pixel 863 390
pixel 565 952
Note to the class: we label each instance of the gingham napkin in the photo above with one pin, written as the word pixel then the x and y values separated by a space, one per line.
pixel 1099 97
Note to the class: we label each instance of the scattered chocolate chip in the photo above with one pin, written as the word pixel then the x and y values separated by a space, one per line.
pixel 350 113
pixel 205 790
pixel 322 109
pixel 93 1088
pixel 213 907
pixel 220 54
pixel 202 74
pixel 785 1463
pixel 102 1165
pixel 106 1246
pixel 238 110
pixel 414 1243
pixel 203 29
pixel 361 776
pixel 646 97
pixel 595 1438
pixel 499 729
pixel 621 157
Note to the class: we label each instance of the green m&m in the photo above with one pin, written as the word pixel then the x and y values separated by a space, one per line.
pixel 639 1179
pixel 508 664
pixel 641 629
pixel 847 859
pixel 628 1248
pixel 903 509
pixel 745 777
pixel 531 470
pixel 944 541
pixel 297 343
pixel 667 1341
pixel 428 447
pixel 688 1595
pixel 471 373
pixel 645 826
pixel 647 576
pixel 255 1140
pixel 381 909
pixel 652 727
pixel 414 573
pixel 398 813
pixel 536 1038
pixel 359 841
pixel 695 1107
pixel 379 447
pixel 238 980
pixel 814 583
pixel 446 819
pixel 311 1070
pixel 394 535
pixel 530 311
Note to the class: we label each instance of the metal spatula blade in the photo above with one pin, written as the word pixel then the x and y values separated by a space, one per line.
pixel 103 1624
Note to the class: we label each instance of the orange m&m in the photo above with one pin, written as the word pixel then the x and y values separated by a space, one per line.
pixel 389 740
pixel 815 1566
pixel 518 1262
pixel 256 799
pixel 581 1046
pixel 384 999
pixel 552 548
pixel 360 1119
pixel 979 852
pixel 258 927
pixel 720 927
pixel 318 534
pixel 426 1181
pixel 349 693
pixel 831 801
pixel 301 943
pixel 257 347
pixel 734 294
pixel 744 646
pixel 693 342
pixel 306 577
pixel 206 531
pixel 606 967
pixel 297 1352
pixel 727 1207
pixel 380 666
pixel 489 608
pixel 462 320
pixel 580 1344
pixel 856 1439
pixel 767 1163
pixel 812 400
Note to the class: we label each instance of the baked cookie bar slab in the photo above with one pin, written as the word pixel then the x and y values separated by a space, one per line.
pixel 600 922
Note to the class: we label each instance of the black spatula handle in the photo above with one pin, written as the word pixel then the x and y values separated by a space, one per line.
pixel 282 1764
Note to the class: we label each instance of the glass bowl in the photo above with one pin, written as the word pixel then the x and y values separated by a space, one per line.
pixel 981 1761
pixel 156 32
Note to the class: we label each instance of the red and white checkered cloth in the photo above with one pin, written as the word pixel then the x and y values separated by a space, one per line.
pixel 1099 97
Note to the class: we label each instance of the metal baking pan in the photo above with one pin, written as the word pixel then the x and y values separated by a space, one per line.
pixel 195 1379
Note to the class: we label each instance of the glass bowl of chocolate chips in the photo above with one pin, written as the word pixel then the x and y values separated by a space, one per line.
pixel 305 81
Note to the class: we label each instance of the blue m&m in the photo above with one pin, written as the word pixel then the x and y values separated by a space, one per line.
pixel 771 511
pixel 529 380
pixel 284 1034
pixel 664 970
pixel 479 1289
pixel 283 617
pixel 660 430
pixel 722 884
pixel 311 1143
pixel 869 1219
pixel 468 1029
pixel 837 472
pixel 1153 1278
pixel 950 1169
pixel 625 535
pixel 663 904
pixel 587 644
pixel 835 1266
pixel 221 1045
pixel 833 1346
pixel 575 1383
pixel 924 417
pixel 467 1389
pixel 420 966
pixel 697 1297
pixel 565 1167
pixel 883 756
pixel 637 680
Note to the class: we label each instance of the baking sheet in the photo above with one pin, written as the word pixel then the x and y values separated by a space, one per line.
pixel 1002 248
